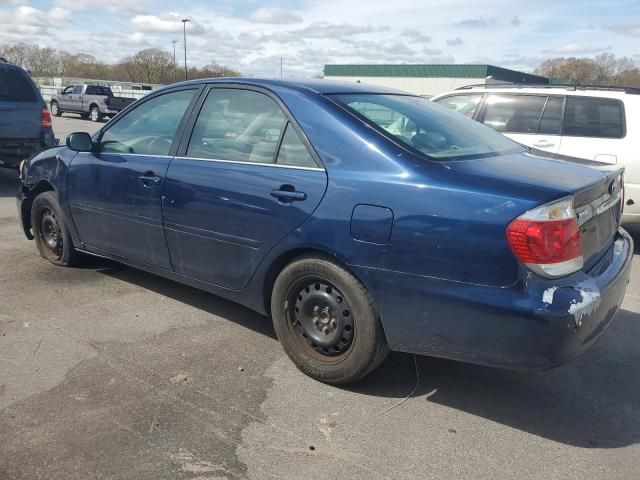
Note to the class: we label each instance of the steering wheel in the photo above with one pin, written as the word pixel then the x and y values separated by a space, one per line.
pixel 155 143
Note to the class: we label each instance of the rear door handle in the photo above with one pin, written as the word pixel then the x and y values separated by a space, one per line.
pixel 288 196
pixel 149 180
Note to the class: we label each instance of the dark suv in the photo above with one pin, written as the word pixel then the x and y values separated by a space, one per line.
pixel 25 122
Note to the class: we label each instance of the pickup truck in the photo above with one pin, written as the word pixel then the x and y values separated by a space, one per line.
pixel 92 101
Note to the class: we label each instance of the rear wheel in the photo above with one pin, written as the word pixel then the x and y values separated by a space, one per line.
pixel 51 232
pixel 326 321
pixel 94 114
pixel 55 109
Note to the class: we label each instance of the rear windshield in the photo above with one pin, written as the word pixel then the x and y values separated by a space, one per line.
pixel 15 86
pixel 99 90
pixel 428 128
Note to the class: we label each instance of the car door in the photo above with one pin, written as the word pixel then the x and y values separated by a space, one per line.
pixel 64 100
pixel 245 179
pixel 75 99
pixel 115 192
pixel 533 120
pixel 593 129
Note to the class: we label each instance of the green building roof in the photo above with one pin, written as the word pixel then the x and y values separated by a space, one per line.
pixel 432 71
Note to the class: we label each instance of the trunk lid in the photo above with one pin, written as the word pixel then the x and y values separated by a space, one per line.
pixel 597 193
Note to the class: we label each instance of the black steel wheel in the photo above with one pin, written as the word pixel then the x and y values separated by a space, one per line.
pixel 51 232
pixel 326 321
pixel 322 317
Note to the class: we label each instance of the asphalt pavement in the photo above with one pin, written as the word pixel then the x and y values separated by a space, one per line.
pixel 107 372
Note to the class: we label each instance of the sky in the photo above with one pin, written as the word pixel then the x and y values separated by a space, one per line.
pixel 252 36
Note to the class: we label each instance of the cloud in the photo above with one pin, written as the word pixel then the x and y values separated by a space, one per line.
pixel 575 49
pixel 416 35
pixel 282 38
pixel 170 23
pixel 454 42
pixel 515 21
pixel 26 22
pixel 628 29
pixel 275 16
pixel 481 22
pixel 334 30
pixel 432 51
pixel 115 6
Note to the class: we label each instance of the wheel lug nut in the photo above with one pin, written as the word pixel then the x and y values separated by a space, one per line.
pixel 325 330
pixel 316 308
pixel 334 323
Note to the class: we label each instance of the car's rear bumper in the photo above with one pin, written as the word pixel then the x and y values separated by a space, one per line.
pixel 13 151
pixel 536 324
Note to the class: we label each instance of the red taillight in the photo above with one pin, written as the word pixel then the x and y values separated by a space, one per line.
pixel 547 239
pixel 45 118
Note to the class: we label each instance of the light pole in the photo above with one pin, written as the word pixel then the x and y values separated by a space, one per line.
pixel 174 59
pixel 184 33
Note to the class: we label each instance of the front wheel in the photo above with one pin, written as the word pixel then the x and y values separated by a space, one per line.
pixel 51 232
pixel 326 321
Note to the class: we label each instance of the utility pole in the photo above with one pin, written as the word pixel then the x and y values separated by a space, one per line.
pixel 184 33
pixel 281 67
pixel 174 59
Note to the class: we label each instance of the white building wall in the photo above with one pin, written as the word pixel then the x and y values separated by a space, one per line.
pixel 429 86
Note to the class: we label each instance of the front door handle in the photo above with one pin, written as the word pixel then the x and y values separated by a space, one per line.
pixel 289 195
pixel 544 144
pixel 149 180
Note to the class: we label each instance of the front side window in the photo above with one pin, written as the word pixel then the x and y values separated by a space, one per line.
pixel 593 117
pixel 68 90
pixel 77 90
pixel 239 125
pixel 464 104
pixel 514 113
pixel 427 127
pixel 150 128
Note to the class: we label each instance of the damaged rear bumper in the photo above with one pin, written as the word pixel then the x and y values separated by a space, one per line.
pixel 535 324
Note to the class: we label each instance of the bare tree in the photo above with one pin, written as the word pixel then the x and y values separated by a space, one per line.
pixel 605 69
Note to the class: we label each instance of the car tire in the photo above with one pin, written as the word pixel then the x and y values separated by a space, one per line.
pixel 55 109
pixel 94 114
pixel 51 233
pixel 326 321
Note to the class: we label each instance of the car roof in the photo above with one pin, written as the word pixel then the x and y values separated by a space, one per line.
pixel 572 90
pixel 320 86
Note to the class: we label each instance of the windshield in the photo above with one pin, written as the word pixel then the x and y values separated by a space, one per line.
pixel 431 129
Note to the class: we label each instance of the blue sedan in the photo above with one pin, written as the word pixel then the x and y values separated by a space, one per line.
pixel 360 219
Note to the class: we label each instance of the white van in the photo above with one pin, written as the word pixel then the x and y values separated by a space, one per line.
pixel 594 123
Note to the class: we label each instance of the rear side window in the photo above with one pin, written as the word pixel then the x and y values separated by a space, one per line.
pixel 15 86
pixel 593 117
pixel 99 90
pixel 292 150
pixel 514 113
pixel 239 125
pixel 464 104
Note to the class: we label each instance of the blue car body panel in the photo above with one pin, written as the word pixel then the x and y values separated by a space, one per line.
pixel 427 239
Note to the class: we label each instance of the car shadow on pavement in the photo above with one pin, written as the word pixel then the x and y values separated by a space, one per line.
pixel 185 294
pixel 8 182
pixel 592 402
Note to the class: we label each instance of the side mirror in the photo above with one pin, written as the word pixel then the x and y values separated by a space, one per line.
pixel 80 142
